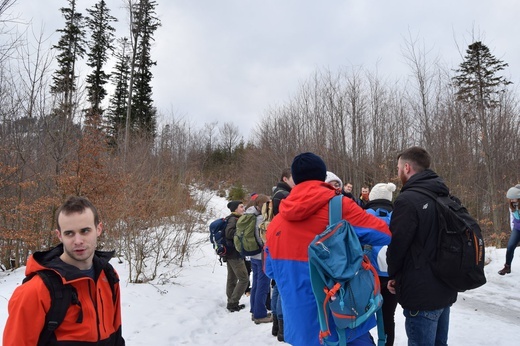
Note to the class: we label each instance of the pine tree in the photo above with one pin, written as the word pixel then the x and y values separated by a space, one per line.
pixel 71 47
pixel 100 46
pixel 477 80
pixel 480 90
pixel 145 22
pixel 118 103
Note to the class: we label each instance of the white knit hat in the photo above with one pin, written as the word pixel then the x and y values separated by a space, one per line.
pixel 333 177
pixel 512 193
pixel 382 191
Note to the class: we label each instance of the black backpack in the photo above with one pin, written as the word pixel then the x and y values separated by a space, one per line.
pixel 62 297
pixel 459 261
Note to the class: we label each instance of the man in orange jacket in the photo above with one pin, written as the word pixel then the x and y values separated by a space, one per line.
pixel 94 316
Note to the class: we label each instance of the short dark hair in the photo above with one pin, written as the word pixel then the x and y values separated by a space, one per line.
pixel 77 204
pixel 286 173
pixel 417 157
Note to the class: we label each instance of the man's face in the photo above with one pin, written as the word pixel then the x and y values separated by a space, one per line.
pixel 401 171
pixel 240 209
pixel 364 191
pixel 289 181
pixel 79 237
pixel 348 188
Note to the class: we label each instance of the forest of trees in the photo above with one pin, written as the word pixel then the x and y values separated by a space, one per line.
pixel 62 134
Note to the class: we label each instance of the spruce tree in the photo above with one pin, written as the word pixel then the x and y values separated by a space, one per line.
pixel 479 89
pixel 71 47
pixel 477 80
pixel 145 22
pixel 119 101
pixel 100 46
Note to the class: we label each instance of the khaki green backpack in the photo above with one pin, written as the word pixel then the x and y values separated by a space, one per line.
pixel 245 240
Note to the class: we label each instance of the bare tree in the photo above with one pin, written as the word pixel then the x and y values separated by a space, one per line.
pixel 229 137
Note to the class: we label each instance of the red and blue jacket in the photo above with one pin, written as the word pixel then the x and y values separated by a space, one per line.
pixel 303 215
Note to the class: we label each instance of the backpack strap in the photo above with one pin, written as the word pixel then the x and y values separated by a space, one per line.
pixel 426 192
pixel 112 278
pixel 61 298
pixel 335 215
pixel 335 209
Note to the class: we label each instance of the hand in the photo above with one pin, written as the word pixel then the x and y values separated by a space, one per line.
pixel 391 286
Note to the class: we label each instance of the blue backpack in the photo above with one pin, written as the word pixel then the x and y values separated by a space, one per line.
pixel 344 282
pixel 217 237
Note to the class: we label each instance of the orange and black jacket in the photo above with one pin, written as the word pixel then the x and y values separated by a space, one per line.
pixel 99 305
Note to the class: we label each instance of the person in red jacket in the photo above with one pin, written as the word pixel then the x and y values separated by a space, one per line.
pixel 95 318
pixel 303 215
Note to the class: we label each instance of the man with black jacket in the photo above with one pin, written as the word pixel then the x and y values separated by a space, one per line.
pixel 281 191
pixel 425 299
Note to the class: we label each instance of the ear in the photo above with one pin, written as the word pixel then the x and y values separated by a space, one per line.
pixel 99 229
pixel 407 167
pixel 58 234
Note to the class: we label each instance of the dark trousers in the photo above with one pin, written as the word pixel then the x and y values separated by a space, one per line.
pixel 389 305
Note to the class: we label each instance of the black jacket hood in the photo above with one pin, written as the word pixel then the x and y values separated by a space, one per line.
pixel 50 259
pixel 429 180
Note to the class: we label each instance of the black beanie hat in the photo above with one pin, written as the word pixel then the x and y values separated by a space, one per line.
pixel 308 166
pixel 233 205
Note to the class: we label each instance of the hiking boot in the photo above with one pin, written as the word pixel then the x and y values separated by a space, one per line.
pixel 280 336
pixel 274 331
pixel 505 270
pixel 235 307
pixel 266 319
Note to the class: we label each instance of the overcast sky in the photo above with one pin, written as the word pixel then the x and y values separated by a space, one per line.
pixel 230 60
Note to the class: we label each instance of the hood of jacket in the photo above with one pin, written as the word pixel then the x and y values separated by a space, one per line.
pixel 50 259
pixel 252 210
pixel 306 199
pixel 282 185
pixel 379 203
pixel 429 180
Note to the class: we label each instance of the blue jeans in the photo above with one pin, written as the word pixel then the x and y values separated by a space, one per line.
pixel 276 303
pixel 514 239
pixel 259 290
pixel 427 328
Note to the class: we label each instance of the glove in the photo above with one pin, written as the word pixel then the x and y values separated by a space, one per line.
pixel 516 223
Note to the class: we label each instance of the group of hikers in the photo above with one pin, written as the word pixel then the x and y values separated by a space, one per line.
pixel 71 294
pixel 401 232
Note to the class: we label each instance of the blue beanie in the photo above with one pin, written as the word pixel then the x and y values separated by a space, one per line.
pixel 308 166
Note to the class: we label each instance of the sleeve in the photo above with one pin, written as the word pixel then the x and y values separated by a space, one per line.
pixel 231 228
pixel 370 229
pixel 27 309
pixel 268 268
pixel 404 224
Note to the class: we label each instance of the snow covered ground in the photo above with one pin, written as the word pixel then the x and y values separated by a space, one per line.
pixel 191 310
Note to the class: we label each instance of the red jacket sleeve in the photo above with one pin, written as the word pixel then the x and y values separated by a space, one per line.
pixel 369 228
pixel 27 309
